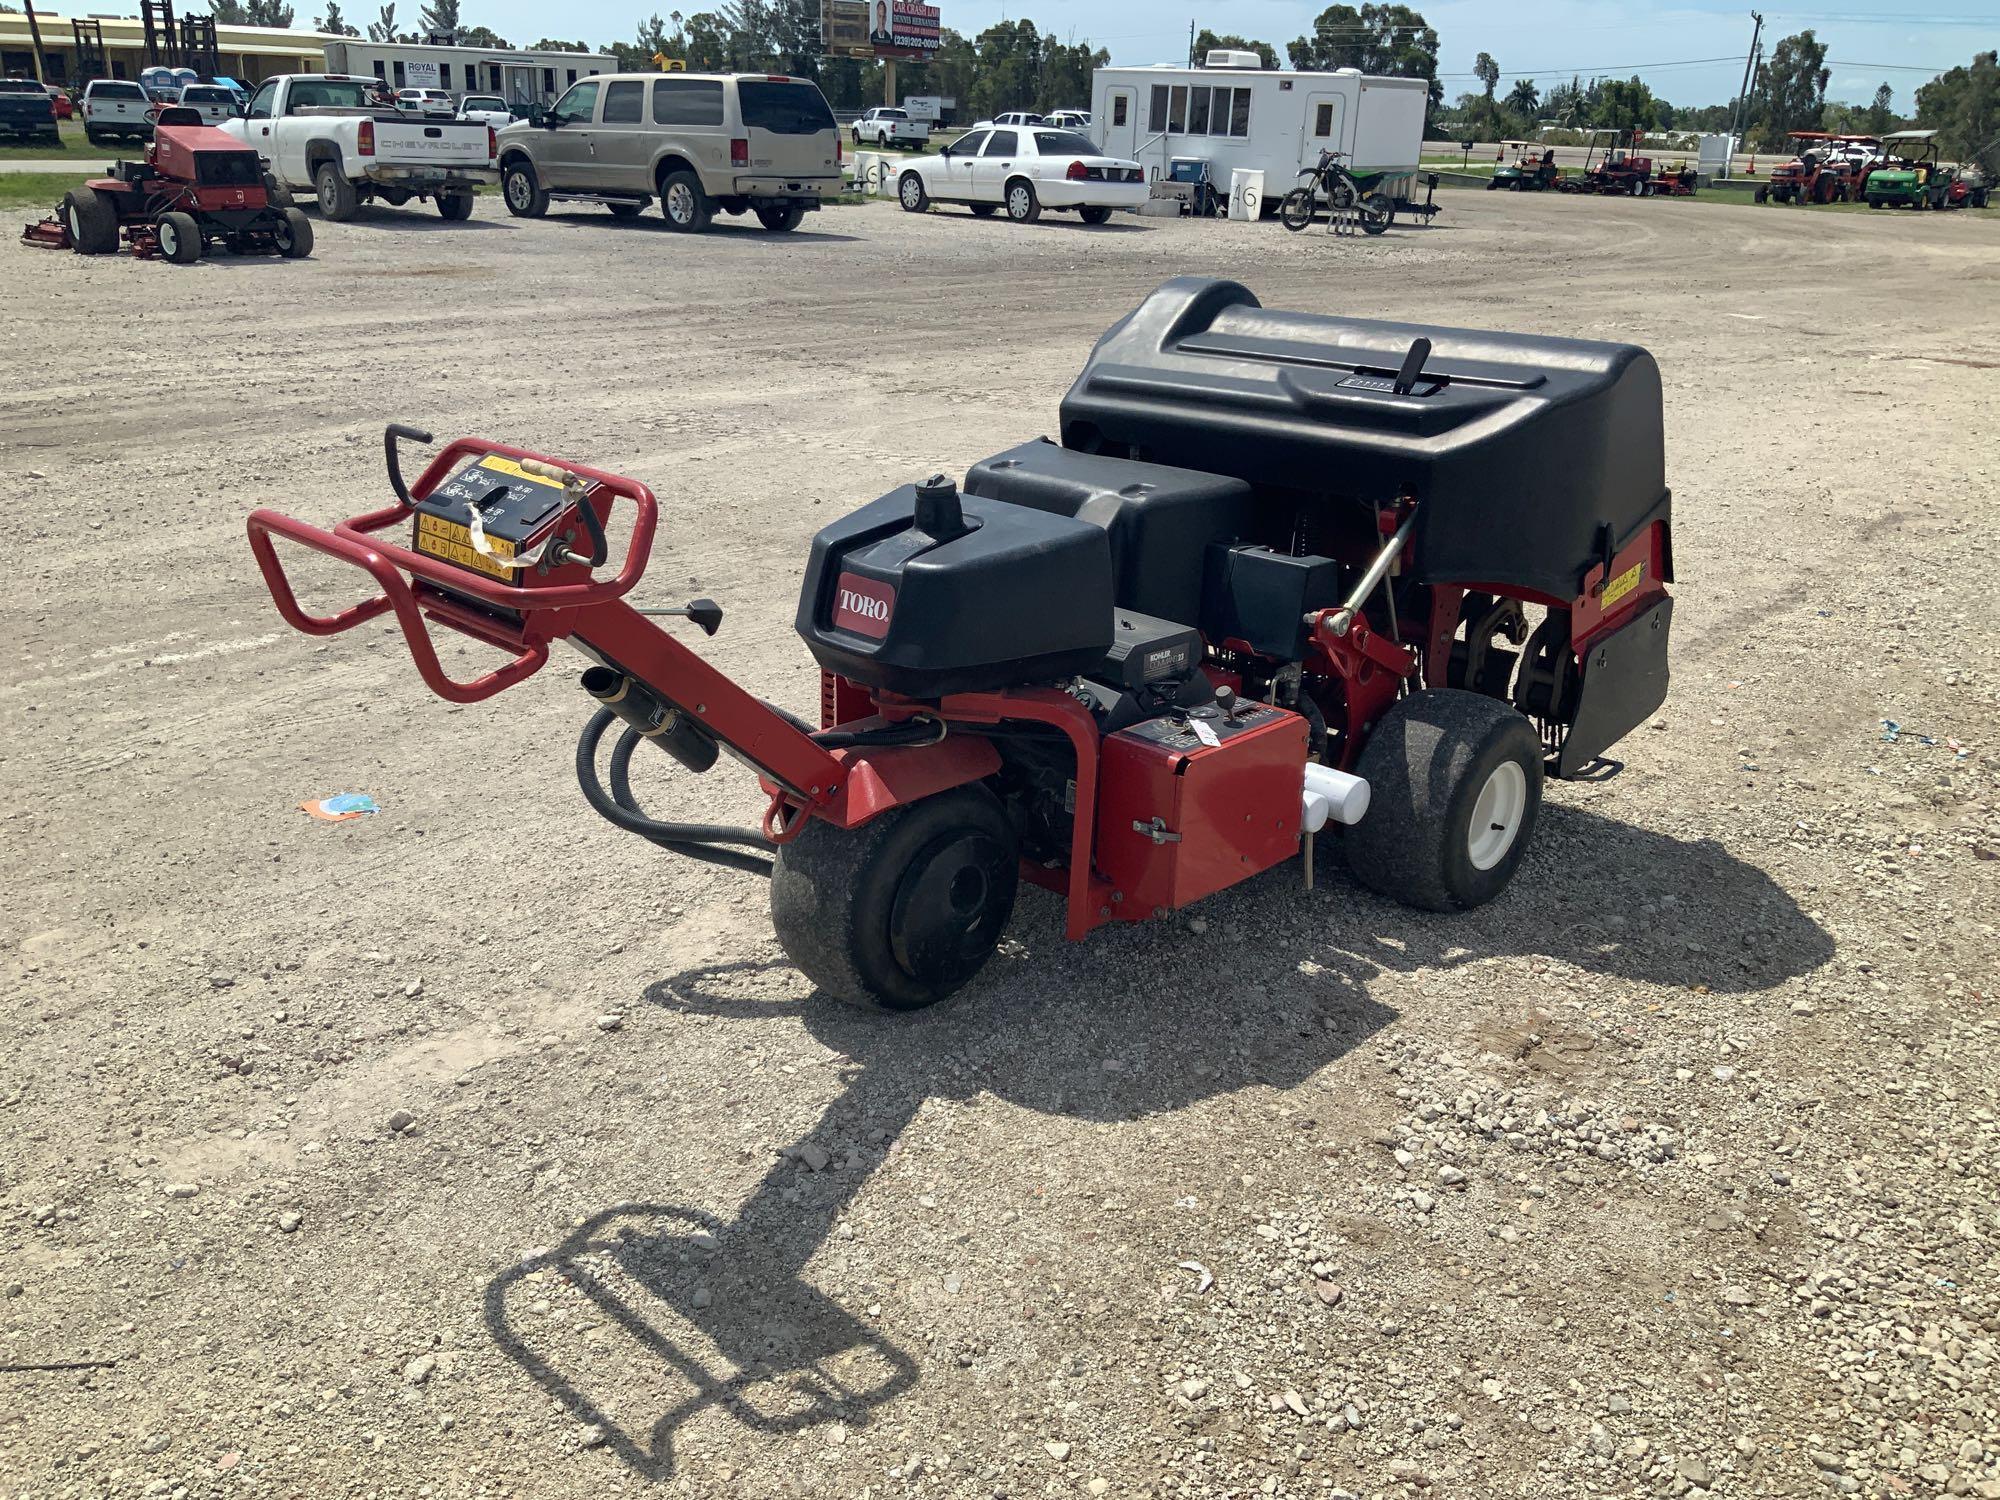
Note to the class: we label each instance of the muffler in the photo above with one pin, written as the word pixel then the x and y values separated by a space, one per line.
pixel 672 729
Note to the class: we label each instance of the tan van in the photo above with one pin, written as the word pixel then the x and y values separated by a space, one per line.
pixel 739 142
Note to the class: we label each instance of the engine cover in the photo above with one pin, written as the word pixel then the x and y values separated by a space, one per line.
pixel 977 596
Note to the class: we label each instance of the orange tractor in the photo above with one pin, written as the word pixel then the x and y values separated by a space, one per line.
pixel 1827 168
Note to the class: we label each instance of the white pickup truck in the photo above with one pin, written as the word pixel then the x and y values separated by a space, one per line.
pixel 325 132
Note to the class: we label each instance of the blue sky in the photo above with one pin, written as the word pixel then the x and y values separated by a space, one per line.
pixel 1546 40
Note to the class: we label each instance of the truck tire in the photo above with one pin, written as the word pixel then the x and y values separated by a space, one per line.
pixel 1455 783
pixel 93 221
pixel 337 197
pixel 180 238
pixel 626 210
pixel 779 220
pixel 911 193
pixel 1095 213
pixel 276 193
pixel 1023 207
pixel 456 207
pixel 525 196
pixel 683 204
pixel 293 234
pixel 904 910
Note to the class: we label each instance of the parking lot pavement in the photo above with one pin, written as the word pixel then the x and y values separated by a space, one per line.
pixel 475 1148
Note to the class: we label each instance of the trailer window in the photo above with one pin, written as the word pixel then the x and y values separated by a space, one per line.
pixel 1323 119
pixel 1118 109
pixel 1156 113
pixel 1198 110
pixel 624 102
pixel 1239 114
pixel 687 101
pixel 444 74
pixel 1177 109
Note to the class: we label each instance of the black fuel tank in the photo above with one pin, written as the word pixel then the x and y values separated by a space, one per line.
pixel 927 595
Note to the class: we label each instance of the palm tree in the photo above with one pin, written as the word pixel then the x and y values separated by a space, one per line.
pixel 1524 98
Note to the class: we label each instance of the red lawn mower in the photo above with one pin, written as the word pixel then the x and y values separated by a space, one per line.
pixel 197 189
pixel 1276 576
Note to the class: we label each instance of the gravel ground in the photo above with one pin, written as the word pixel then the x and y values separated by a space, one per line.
pixel 474 1150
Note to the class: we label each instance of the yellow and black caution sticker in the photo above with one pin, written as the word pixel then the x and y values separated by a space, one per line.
pixel 513 470
pixel 437 537
pixel 1623 584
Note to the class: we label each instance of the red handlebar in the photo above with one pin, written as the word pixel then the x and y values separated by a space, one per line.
pixel 387 563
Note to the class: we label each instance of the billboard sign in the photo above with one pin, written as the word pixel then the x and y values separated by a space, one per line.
pixel 421 75
pixel 880 28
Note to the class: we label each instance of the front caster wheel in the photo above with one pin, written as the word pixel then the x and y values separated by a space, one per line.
pixel 902 911
pixel 1455 782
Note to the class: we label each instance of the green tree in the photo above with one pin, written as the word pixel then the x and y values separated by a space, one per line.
pixel 267 13
pixel 1387 40
pixel 439 18
pixel 1565 104
pixel 1208 42
pixel 1881 117
pixel 229 13
pixel 1524 98
pixel 486 36
pixel 1790 91
pixel 383 28
pixel 549 44
pixel 333 23
pixel 1626 106
pixel 1963 107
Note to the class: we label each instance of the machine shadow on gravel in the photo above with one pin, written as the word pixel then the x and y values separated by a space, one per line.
pixel 1270 988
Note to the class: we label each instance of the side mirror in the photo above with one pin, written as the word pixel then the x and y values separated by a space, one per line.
pixel 945 152
pixel 537 115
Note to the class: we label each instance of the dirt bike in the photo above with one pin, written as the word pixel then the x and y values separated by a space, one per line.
pixel 1333 181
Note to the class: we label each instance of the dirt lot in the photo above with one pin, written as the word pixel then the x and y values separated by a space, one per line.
pixel 1674 1169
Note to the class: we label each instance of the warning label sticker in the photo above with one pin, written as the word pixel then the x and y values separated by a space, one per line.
pixel 437 537
pixel 1623 584
pixel 513 470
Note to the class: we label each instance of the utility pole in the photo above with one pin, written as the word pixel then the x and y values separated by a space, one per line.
pixel 1736 116
pixel 1190 41
pixel 35 33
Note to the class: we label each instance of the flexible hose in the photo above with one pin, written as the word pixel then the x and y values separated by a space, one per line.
pixel 619 805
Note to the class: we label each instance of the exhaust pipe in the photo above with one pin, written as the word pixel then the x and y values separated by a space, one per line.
pixel 1331 795
pixel 673 729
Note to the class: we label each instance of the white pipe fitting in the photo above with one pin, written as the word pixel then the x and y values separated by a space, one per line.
pixel 1333 795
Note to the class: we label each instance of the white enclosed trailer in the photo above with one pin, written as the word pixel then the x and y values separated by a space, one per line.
pixel 1264 119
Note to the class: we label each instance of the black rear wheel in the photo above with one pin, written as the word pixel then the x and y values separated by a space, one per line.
pixel 292 234
pixel 1455 783
pixel 1098 214
pixel 454 206
pixel 904 910
pixel 1378 212
pixel 786 217
pixel 92 219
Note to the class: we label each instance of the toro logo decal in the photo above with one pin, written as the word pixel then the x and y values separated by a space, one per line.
pixel 862 605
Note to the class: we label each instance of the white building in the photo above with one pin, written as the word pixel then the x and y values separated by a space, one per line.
pixel 1250 116
pixel 519 76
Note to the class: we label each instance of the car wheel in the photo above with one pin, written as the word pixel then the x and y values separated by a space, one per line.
pixel 454 206
pixel 1023 207
pixel 292 234
pixel 1095 213
pixel 1492 183
pixel 337 198
pixel 180 238
pixel 984 210
pixel 683 204
pixel 1760 194
pixel 911 194
pixel 782 219
pixel 92 219
pixel 524 194
pixel 1455 783
pixel 92 136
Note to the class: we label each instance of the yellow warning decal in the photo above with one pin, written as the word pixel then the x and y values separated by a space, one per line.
pixel 513 470
pixel 1623 584
pixel 437 537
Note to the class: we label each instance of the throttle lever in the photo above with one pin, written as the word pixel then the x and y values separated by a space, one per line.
pixel 703 612
pixel 573 490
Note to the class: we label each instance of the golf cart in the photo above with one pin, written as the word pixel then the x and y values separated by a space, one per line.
pixel 1533 169
pixel 1911 176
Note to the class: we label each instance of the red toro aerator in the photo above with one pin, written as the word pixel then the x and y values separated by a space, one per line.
pixel 1281 572
pixel 197 189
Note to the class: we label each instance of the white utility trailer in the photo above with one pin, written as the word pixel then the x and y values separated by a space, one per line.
pixel 1264 119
